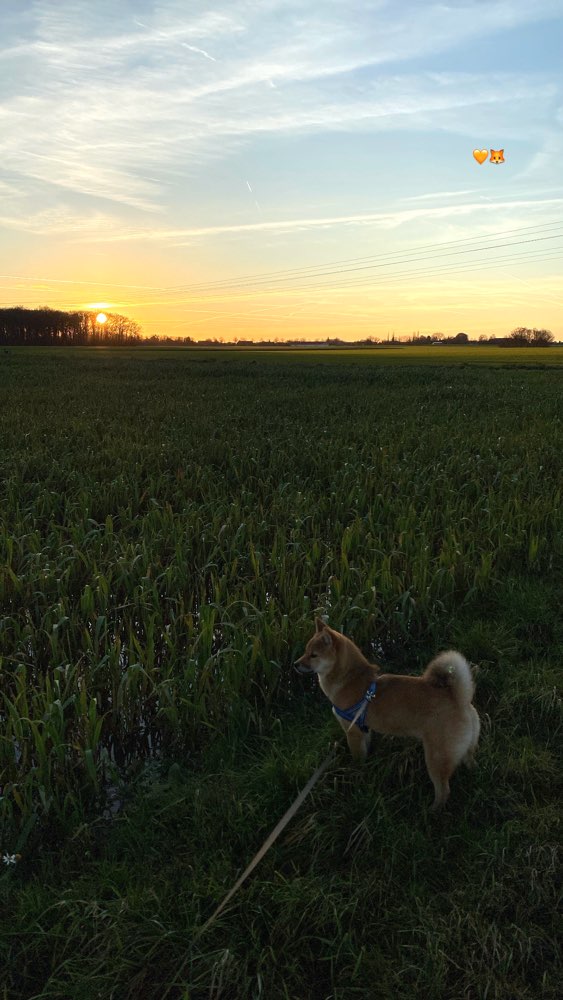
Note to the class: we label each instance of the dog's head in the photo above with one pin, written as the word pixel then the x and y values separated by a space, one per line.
pixel 320 652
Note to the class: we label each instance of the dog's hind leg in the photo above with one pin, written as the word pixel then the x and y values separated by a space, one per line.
pixel 440 770
pixel 469 758
pixel 358 742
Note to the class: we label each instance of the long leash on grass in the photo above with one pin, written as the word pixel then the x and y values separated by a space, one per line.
pixel 279 827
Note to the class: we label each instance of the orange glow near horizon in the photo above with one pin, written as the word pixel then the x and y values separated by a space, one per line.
pixel 490 304
pixel 348 285
pixel 427 292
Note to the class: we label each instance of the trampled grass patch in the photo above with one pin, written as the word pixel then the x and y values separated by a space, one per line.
pixel 172 521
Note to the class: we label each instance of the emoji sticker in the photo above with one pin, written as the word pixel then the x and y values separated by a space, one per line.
pixel 480 155
pixel 497 155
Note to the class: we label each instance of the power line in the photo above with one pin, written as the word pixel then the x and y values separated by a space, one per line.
pixel 295 273
pixel 369 267
pixel 353 260
pixel 82 281
pixel 418 274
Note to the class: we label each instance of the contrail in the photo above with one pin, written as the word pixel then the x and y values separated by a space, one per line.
pixel 252 193
pixel 201 52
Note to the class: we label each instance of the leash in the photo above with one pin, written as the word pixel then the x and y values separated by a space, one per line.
pixel 356 717
pixel 363 705
pixel 279 827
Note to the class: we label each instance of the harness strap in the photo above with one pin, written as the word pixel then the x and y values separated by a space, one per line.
pixel 356 715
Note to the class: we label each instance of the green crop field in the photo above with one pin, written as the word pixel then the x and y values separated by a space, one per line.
pixel 171 522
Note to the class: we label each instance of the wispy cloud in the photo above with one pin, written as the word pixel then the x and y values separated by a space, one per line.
pixel 103 106
pixel 384 220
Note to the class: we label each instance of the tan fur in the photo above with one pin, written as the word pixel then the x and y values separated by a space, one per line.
pixel 434 708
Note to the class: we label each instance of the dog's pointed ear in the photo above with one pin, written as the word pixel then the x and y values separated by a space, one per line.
pixel 327 637
pixel 319 625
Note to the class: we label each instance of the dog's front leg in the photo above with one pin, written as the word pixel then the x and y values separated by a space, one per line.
pixel 358 742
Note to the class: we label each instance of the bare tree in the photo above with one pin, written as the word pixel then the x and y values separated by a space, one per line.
pixel 542 338
pixel 47 326
pixel 523 336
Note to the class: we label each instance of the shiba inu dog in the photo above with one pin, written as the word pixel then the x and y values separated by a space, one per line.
pixel 435 708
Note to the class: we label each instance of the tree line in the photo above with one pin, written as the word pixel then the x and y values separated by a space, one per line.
pixel 46 326
pixel 522 336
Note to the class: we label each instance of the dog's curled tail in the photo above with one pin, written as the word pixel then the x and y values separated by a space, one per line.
pixel 451 670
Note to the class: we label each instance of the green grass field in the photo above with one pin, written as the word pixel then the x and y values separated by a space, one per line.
pixel 172 521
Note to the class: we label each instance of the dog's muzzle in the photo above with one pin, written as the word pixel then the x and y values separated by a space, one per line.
pixel 301 669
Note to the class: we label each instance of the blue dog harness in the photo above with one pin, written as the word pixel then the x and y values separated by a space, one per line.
pixel 350 713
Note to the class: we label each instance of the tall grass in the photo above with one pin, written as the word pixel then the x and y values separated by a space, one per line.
pixel 170 527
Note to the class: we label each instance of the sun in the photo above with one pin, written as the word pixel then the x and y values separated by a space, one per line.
pixel 101 318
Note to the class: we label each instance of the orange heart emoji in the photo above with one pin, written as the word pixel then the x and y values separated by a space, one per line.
pixel 480 155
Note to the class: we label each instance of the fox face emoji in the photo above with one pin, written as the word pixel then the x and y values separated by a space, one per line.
pixel 497 156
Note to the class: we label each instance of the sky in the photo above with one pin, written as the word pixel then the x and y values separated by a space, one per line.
pixel 284 169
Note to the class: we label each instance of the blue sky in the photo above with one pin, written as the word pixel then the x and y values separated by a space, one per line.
pixel 172 144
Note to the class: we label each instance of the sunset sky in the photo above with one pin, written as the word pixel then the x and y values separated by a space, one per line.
pixel 223 170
